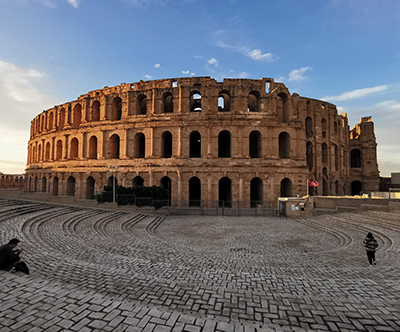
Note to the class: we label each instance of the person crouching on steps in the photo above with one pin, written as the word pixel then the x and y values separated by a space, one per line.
pixel 370 245
pixel 9 254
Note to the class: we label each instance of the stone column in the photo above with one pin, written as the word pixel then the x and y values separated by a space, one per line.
pixel 66 147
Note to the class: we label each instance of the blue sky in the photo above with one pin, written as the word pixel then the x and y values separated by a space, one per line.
pixel 343 51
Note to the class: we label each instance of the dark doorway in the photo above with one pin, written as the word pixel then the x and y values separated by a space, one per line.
pixel 255 144
pixel 224 144
pixel 90 187
pixel 166 145
pixel 194 192
pixel 256 192
pixel 286 188
pixel 195 145
pixel 356 188
pixel 165 183
pixel 71 186
pixel 225 192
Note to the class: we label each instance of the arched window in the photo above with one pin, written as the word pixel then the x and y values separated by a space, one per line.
pixel 253 101
pixel 324 128
pixel 74 149
pixel 140 145
pixel 256 192
pixel 96 111
pixel 142 104
pixel 309 127
pixel 112 181
pixel 224 102
pixel 165 183
pixel 90 182
pixel 116 112
pixel 324 153
pixel 55 186
pixel 336 157
pixel 62 118
pixel 224 144
pixel 93 147
pixel 355 158
pixel 51 121
pixel 77 115
pixel 137 181
pixel 47 152
pixel 356 188
pixel 283 109
pixel 114 146
pixel 225 192
pixel 71 186
pixel 286 188
pixel 195 145
pixel 166 145
pixel 44 184
pixel 310 155
pixel 284 145
pixel 255 144
pixel 59 150
pixel 195 101
pixel 194 191
pixel 168 101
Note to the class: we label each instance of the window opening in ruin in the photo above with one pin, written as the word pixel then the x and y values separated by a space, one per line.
pixel 142 104
pixel 93 147
pixel 194 191
pixel 323 124
pixel 77 115
pixel 168 101
pixel 310 155
pixel 48 151
pixel 116 109
pixel 166 145
pixel 111 181
pixel 253 101
pixel 224 102
pixel 337 188
pixel 195 145
pixel 256 192
pixel 71 186
pixel 174 84
pixel 355 158
pixel 283 107
pixel 59 150
pixel 325 171
pixel 44 184
pixel 267 87
pixel 324 134
pixel 90 188
pixel 336 157
pixel 140 145
pixel 195 102
pixel 39 156
pixel 224 144
pixel 55 186
pixel 325 188
pixel 62 118
pixel 132 86
pixel 309 127
pixel 96 111
pixel 324 153
pixel 286 188
pixel 74 148
pixel 165 183
pixel 255 144
pixel 114 146
pixel 284 145
pixel 356 188
pixel 51 121
pixel 225 192
pixel 137 181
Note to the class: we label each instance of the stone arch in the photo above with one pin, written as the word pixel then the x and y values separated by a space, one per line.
pixel 166 145
pixel 286 188
pixel 93 147
pixel 55 186
pixel 137 181
pixel 194 191
pixel 283 107
pixel 310 155
pixel 90 185
pixel 61 122
pixel 95 111
pixel 47 154
pixel 224 101
pixel 356 187
pixel 195 101
pixel 166 183
pixel 59 150
pixel 77 115
pixel 355 158
pixel 256 192
pixel 284 145
pixel 255 141
pixel 44 184
pixel 324 127
pixel 74 148
pixel 71 186
pixel 225 192
pixel 140 145
pixel 224 144
pixel 116 111
pixel 51 121
pixel 141 104
pixel 253 101
pixel 114 146
pixel 309 127
pixel 195 145
pixel 168 102
pixel 111 181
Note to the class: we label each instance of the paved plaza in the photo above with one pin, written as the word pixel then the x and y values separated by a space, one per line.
pixel 101 270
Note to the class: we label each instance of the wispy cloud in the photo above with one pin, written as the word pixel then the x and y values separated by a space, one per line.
pixel 257 54
pixel 358 93
pixel 185 72
pixel 298 74
pixel 157 65
pixel 213 61
pixel 145 3
pixel 49 3
pixel 74 3
pixel 148 76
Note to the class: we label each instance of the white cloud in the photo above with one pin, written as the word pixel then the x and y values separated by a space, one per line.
pixel 148 76
pixel 192 74
pixel 298 74
pixel 157 65
pixel 49 3
pixel 185 72
pixel 145 3
pixel 213 61
pixel 256 54
pixel 358 93
pixel 74 3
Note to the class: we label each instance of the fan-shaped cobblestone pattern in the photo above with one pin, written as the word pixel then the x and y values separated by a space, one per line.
pixel 98 270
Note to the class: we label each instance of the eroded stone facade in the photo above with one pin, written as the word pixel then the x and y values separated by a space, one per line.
pixel 236 140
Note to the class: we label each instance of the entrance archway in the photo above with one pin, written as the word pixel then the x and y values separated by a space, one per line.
pixel 225 192
pixel 356 187
pixel 194 191
pixel 256 192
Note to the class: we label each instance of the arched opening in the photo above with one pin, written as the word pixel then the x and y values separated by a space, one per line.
pixel 224 144
pixel 55 186
pixel 324 153
pixel 116 112
pixel 47 152
pixel 165 183
pixel 140 145
pixel 283 109
pixel 90 187
pixel 286 188
pixel 77 115
pixel 195 145
pixel 225 192
pixel 96 111
pixel 142 104
pixel 355 158
pixel 325 188
pixel 59 149
pixel 253 101
pixel 71 186
pixel 93 147
pixel 39 156
pixel 337 190
pixel 194 191
pixel 51 121
pixel 224 102
pixel 255 144
pixel 114 146
pixel 166 145
pixel 74 148
pixel 309 127
pixel 324 128
pixel 195 101
pixel 35 189
pixel 284 145
pixel 356 188
pixel 34 156
pixel 168 101
pixel 137 181
pixel 62 118
pixel 310 156
pixel 256 192
pixel 336 157
pixel 44 184
pixel 112 180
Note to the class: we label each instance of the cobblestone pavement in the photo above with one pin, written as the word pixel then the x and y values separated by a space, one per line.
pixel 98 270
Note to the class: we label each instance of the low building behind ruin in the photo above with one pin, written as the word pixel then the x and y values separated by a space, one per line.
pixel 236 140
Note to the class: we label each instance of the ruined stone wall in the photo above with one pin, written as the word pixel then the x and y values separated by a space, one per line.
pixel 239 140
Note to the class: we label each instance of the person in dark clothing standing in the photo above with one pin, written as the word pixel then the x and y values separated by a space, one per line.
pixel 370 245
pixel 9 254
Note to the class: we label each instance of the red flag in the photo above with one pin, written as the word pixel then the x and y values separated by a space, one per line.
pixel 312 183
